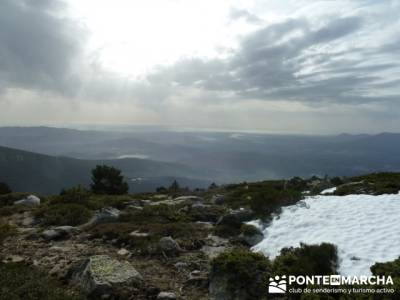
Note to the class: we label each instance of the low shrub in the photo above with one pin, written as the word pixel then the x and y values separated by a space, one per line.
pixel 6 230
pixel 249 230
pixel 63 214
pixel 265 197
pixel 77 194
pixel 9 199
pixel 21 282
pixel 226 231
pixel 375 184
pixel 189 234
pixel 156 214
pixel 307 260
pixel 391 268
pixel 242 273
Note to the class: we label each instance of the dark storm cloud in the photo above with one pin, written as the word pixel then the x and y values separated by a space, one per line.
pixel 272 63
pixel 37 48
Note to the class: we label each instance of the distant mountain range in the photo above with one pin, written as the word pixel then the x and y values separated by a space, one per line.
pixel 150 158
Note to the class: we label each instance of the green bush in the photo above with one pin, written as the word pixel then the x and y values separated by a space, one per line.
pixel 77 194
pixel 244 272
pixel 21 282
pixel 307 260
pixel 9 199
pixel 375 183
pixel 247 229
pixel 63 214
pixel 6 230
pixel 269 201
pixel 226 231
pixel 156 214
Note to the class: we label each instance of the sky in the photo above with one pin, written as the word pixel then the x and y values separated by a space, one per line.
pixel 278 66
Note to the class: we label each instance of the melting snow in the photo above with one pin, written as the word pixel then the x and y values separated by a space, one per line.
pixel 365 228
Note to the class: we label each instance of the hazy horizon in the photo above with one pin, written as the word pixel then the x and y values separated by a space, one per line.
pixel 155 128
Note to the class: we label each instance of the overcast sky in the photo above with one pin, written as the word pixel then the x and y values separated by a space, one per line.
pixel 274 66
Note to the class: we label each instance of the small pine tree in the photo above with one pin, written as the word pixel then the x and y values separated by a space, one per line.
pixel 108 180
pixel 174 187
pixel 4 188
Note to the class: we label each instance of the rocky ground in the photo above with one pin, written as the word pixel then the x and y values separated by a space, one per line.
pixel 169 268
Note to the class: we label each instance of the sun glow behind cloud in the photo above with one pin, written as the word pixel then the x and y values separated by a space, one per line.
pixel 132 37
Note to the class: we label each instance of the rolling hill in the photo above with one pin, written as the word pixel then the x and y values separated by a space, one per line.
pixel 28 171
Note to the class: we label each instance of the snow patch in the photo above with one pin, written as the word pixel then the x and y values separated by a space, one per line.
pixel 328 191
pixel 365 229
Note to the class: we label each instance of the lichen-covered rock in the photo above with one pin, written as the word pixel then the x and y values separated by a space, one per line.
pixel 102 275
pixel 31 200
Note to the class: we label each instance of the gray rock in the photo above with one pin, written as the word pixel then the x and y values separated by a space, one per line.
pixel 196 278
pixel 213 251
pixel 191 199
pixel 31 200
pixel 105 215
pixel 100 275
pixel 136 233
pixel 28 221
pixel 215 245
pixel 185 200
pixel 169 246
pixel 59 232
pixel 166 296
pixel 123 252
pixel 181 265
pixel 218 199
pixel 13 259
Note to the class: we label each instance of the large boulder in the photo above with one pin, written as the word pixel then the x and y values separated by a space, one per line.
pixel 169 246
pixel 102 276
pixel 31 200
